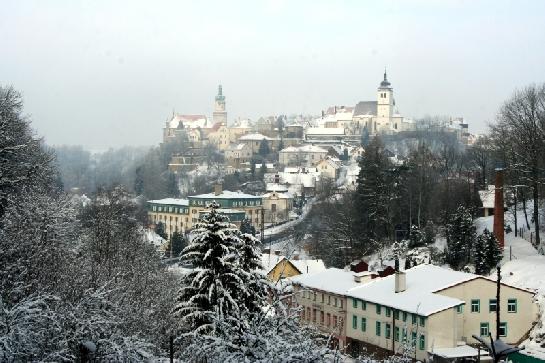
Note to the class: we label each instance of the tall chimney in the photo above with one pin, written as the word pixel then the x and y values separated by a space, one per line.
pixel 400 281
pixel 217 189
pixel 498 208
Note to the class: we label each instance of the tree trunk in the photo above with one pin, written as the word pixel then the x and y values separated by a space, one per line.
pixel 536 211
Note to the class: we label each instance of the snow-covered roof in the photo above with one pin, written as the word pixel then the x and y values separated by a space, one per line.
pixel 269 261
pixel 226 194
pixel 299 169
pixel 171 201
pixel 488 196
pixel 331 162
pixel 278 195
pixel 189 121
pixel 332 280
pixel 456 352
pixel 304 149
pixel 419 296
pixel 254 137
pixel 226 211
pixel 308 266
pixel 324 131
pixel 275 187
pixel 236 147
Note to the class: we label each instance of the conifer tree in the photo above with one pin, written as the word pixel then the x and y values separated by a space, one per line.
pixel 246 227
pixel 214 288
pixel 250 268
pixel 480 254
pixel 494 254
pixel 460 237
pixel 416 238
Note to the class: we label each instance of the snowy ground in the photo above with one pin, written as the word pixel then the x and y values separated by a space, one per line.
pixel 525 268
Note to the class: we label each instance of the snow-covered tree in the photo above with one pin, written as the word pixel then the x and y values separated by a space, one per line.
pixel 250 269
pixel 416 237
pixel 247 227
pixel 214 287
pixel 460 235
pixel 494 253
pixel 480 254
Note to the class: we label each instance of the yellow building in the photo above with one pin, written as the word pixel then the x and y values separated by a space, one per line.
pixel 278 267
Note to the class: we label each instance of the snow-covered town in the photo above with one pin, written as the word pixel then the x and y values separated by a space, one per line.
pixel 272 181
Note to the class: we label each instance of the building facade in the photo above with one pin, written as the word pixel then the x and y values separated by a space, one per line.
pixel 220 112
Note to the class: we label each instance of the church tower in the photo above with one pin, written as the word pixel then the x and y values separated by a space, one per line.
pixel 220 114
pixel 385 104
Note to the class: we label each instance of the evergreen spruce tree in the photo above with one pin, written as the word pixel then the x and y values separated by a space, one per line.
pixel 176 244
pixel 250 268
pixel 494 253
pixel 365 136
pixel 264 149
pixel 416 238
pixel 246 227
pixel 160 230
pixel 215 288
pixel 373 192
pixel 460 238
pixel 480 255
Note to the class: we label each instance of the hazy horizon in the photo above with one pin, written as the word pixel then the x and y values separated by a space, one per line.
pixel 107 74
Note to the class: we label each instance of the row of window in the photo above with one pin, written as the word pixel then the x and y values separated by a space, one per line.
pixel 485 329
pixel 327 320
pixel 245 203
pixel 388 331
pixel 492 306
pixel 312 295
pixel 415 319
pixel 169 209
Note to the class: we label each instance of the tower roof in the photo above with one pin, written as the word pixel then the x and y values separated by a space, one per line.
pixel 385 83
pixel 220 96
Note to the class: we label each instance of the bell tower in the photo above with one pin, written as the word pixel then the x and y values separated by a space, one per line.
pixel 220 114
pixel 385 100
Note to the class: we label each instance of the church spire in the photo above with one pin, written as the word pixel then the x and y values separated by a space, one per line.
pixel 385 83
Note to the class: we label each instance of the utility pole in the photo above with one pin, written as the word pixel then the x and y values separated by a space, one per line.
pixel 498 284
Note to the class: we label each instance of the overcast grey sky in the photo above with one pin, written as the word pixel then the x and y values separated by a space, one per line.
pixel 108 73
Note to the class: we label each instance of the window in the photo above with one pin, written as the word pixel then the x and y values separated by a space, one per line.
pixel 378 309
pixel 460 309
pixel 414 318
pixel 475 306
pixel 364 305
pixel 328 300
pixel 492 305
pixel 422 321
pixel 413 339
pixel 341 300
pixel 396 334
pixel 334 321
pixel 354 303
pixel 387 331
pixel 404 316
pixel 377 329
pixel 335 302
pixel 512 305
pixel 322 317
pixel 314 315
pixel 328 319
pixel 422 342
pixel 322 298
pixel 404 335
pixel 396 314
pixel 354 322
pixel 388 312
pixel 484 330
pixel 503 329
pixel 314 296
pixel 363 324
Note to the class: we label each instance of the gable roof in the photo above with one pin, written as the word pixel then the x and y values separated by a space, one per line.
pixel 331 280
pixel 419 296
pixel 366 108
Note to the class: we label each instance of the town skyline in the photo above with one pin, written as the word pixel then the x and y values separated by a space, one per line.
pixel 120 71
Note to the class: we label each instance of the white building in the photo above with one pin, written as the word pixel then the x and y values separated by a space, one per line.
pixel 306 155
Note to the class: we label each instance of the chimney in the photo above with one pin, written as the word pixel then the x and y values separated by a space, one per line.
pixel 400 281
pixel 277 252
pixel 296 257
pixel 217 189
pixel 498 208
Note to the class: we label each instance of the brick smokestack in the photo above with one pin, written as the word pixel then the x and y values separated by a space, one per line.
pixel 498 208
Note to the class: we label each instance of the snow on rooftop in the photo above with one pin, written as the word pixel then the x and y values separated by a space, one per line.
pixel 332 280
pixel 324 131
pixel 254 137
pixel 457 352
pixel 419 296
pixel 304 149
pixel 226 194
pixel 170 201
pixel 488 196
pixel 309 266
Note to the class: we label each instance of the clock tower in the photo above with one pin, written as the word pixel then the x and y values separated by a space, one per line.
pixel 220 114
